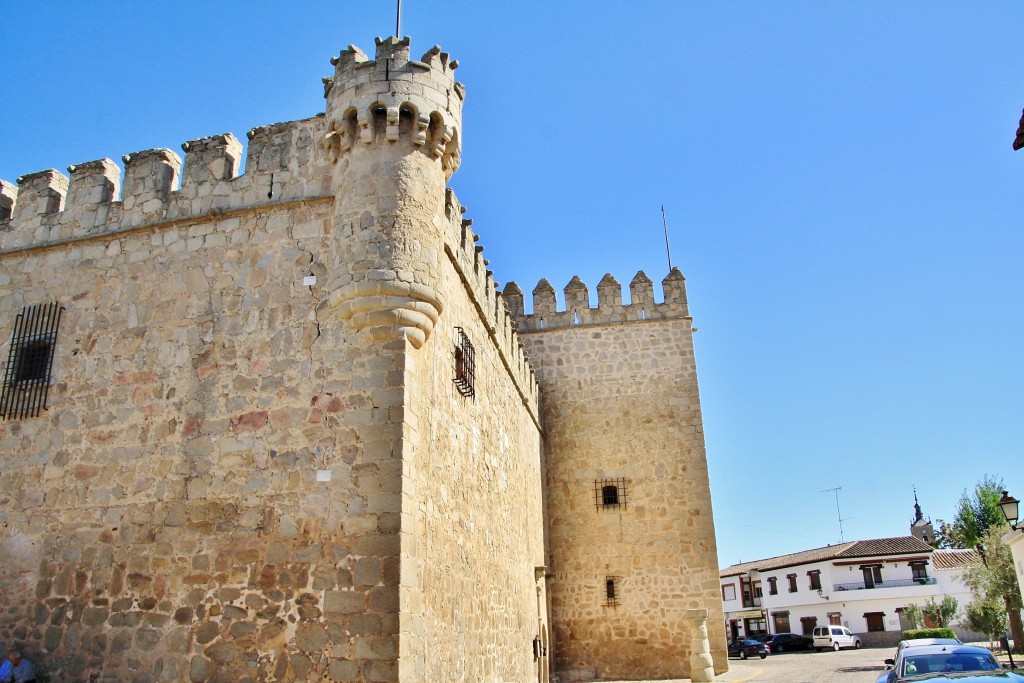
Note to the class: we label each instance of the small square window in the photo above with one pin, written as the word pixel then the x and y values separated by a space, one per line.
pixel 610 493
pixel 465 364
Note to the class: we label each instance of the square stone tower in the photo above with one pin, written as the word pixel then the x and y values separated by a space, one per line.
pixel 629 506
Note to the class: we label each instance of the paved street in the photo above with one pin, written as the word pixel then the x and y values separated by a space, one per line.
pixel 846 666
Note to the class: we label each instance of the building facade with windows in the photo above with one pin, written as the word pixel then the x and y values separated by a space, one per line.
pixel 281 425
pixel 862 585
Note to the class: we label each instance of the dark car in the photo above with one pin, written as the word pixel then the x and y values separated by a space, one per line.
pixel 780 642
pixel 917 642
pixel 748 648
pixel 960 663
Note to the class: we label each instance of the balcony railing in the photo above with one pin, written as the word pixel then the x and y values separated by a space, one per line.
pixel 896 583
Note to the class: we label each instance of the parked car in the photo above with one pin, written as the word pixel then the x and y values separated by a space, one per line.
pixel 748 647
pixel 959 663
pixel 834 637
pixel 915 642
pixel 780 642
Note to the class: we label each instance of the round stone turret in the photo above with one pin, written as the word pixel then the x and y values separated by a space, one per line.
pixel 393 135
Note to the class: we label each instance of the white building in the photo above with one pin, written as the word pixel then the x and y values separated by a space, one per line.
pixel 1014 539
pixel 863 585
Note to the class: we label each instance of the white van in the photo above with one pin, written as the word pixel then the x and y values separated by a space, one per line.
pixel 834 637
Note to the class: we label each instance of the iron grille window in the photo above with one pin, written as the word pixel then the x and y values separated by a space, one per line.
pixel 611 591
pixel 610 493
pixel 30 361
pixel 465 364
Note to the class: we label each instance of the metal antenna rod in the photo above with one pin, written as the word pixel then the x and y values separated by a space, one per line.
pixel 667 250
pixel 838 514
pixel 398 21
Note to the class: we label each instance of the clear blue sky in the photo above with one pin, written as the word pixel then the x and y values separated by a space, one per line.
pixel 838 178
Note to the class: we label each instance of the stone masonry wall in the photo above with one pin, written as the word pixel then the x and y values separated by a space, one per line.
pixel 241 472
pixel 166 510
pixel 477 505
pixel 164 520
pixel 255 465
pixel 620 406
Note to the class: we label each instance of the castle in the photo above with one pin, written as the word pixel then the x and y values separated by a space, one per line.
pixel 281 425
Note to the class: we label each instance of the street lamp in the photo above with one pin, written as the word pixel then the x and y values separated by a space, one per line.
pixel 1009 505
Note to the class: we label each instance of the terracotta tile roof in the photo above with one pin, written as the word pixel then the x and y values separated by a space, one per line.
pixel 874 547
pixel 803 557
pixel 887 546
pixel 953 559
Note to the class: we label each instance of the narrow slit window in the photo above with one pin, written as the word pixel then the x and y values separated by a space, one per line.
pixel 30 361
pixel 611 591
pixel 610 494
pixel 465 364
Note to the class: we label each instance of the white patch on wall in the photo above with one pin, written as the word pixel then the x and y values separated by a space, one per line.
pixel 323 475
pixel 309 281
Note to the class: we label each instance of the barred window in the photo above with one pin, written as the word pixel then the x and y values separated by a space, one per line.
pixel 611 590
pixel 30 361
pixel 610 493
pixel 465 364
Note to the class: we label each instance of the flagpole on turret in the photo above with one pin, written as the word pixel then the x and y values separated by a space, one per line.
pixel 398 21
pixel 664 223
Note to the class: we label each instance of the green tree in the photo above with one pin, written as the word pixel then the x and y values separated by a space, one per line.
pixel 988 616
pixel 993 580
pixel 913 615
pixel 975 513
pixel 941 613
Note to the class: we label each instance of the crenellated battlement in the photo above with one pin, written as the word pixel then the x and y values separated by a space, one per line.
pixel 284 163
pixel 392 98
pixel 466 254
pixel 609 310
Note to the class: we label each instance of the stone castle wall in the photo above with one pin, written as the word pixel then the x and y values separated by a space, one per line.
pixel 237 478
pixel 478 536
pixel 165 512
pixel 620 407
pixel 255 463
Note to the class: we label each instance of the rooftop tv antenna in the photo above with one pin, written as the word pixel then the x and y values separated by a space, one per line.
pixel 665 223
pixel 838 514
pixel 398 20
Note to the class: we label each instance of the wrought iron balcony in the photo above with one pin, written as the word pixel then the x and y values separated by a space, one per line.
pixel 896 583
